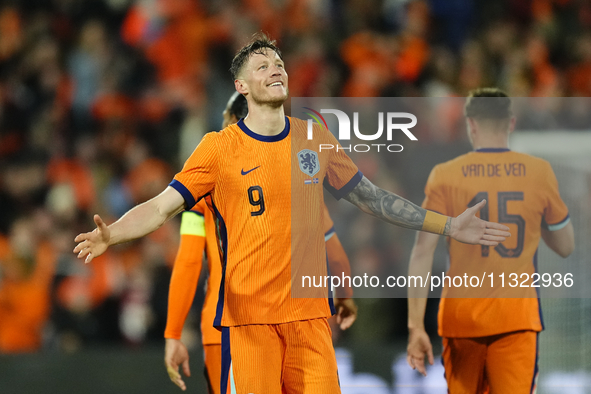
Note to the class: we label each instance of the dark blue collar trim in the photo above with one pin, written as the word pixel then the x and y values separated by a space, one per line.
pixel 265 138
pixel 493 150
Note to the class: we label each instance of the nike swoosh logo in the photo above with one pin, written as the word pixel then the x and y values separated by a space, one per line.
pixel 246 172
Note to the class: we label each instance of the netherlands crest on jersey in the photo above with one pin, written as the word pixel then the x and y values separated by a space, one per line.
pixel 308 160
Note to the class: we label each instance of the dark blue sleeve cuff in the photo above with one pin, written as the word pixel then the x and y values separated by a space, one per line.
pixel 329 232
pixel 556 226
pixel 343 191
pixel 179 187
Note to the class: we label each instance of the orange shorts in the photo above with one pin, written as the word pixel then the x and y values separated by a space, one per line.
pixel 212 355
pixel 287 358
pixel 504 363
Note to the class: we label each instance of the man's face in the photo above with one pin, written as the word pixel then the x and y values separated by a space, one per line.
pixel 265 78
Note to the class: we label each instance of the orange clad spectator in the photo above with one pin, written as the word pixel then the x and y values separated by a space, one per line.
pixel 545 75
pixel 579 76
pixel 10 33
pixel 414 49
pixel 369 63
pixel 113 106
pixel 175 36
pixel 27 267
pixel 309 70
pixel 75 174
pixel 412 58
pixel 300 17
pixel 146 179
pixel 88 289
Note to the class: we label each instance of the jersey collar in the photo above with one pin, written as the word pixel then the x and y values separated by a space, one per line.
pixel 490 150
pixel 265 138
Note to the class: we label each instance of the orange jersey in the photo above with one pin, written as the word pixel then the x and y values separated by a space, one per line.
pixel 197 223
pixel 522 193
pixel 251 183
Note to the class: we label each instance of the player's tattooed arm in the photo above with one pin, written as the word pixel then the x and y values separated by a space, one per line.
pixel 447 227
pixel 388 206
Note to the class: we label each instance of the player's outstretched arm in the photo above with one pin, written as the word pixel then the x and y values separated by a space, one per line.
pixel 421 262
pixel 394 209
pixel 137 222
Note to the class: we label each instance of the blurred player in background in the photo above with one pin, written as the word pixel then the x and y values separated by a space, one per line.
pixel 489 344
pixel 273 342
pixel 198 235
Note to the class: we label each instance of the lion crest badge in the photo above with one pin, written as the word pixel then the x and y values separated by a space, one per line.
pixel 308 160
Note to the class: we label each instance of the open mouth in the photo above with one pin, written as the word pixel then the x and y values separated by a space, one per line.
pixel 276 84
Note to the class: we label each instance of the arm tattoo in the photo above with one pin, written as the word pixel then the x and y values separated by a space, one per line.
pixel 447 227
pixel 387 206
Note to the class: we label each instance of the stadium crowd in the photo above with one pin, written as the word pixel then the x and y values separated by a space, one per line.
pixel 101 101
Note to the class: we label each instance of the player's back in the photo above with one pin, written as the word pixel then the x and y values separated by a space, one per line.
pixel 521 192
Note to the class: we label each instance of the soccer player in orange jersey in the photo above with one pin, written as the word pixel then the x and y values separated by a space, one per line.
pixel 273 342
pixel 489 344
pixel 198 235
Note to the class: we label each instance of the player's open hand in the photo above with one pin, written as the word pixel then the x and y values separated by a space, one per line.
pixel 419 345
pixel 346 312
pixel 93 244
pixel 175 354
pixel 468 228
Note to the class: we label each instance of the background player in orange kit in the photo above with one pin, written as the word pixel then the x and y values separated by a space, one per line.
pixel 273 342
pixel 489 344
pixel 198 235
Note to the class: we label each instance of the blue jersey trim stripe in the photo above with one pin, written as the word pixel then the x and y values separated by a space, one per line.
pixel 343 191
pixel 493 150
pixel 265 138
pixel 226 360
pixel 179 187
pixel 536 367
pixel 557 226
pixel 443 365
pixel 217 322
pixel 538 291
pixel 333 310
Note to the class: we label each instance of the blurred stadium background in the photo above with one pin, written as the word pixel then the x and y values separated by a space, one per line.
pixel 102 100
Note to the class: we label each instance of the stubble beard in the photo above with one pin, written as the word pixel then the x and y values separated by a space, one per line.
pixel 274 102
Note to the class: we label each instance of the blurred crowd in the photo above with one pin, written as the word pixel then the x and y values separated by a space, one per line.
pixel 101 101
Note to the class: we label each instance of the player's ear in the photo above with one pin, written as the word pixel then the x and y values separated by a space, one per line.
pixel 472 125
pixel 241 86
pixel 512 124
